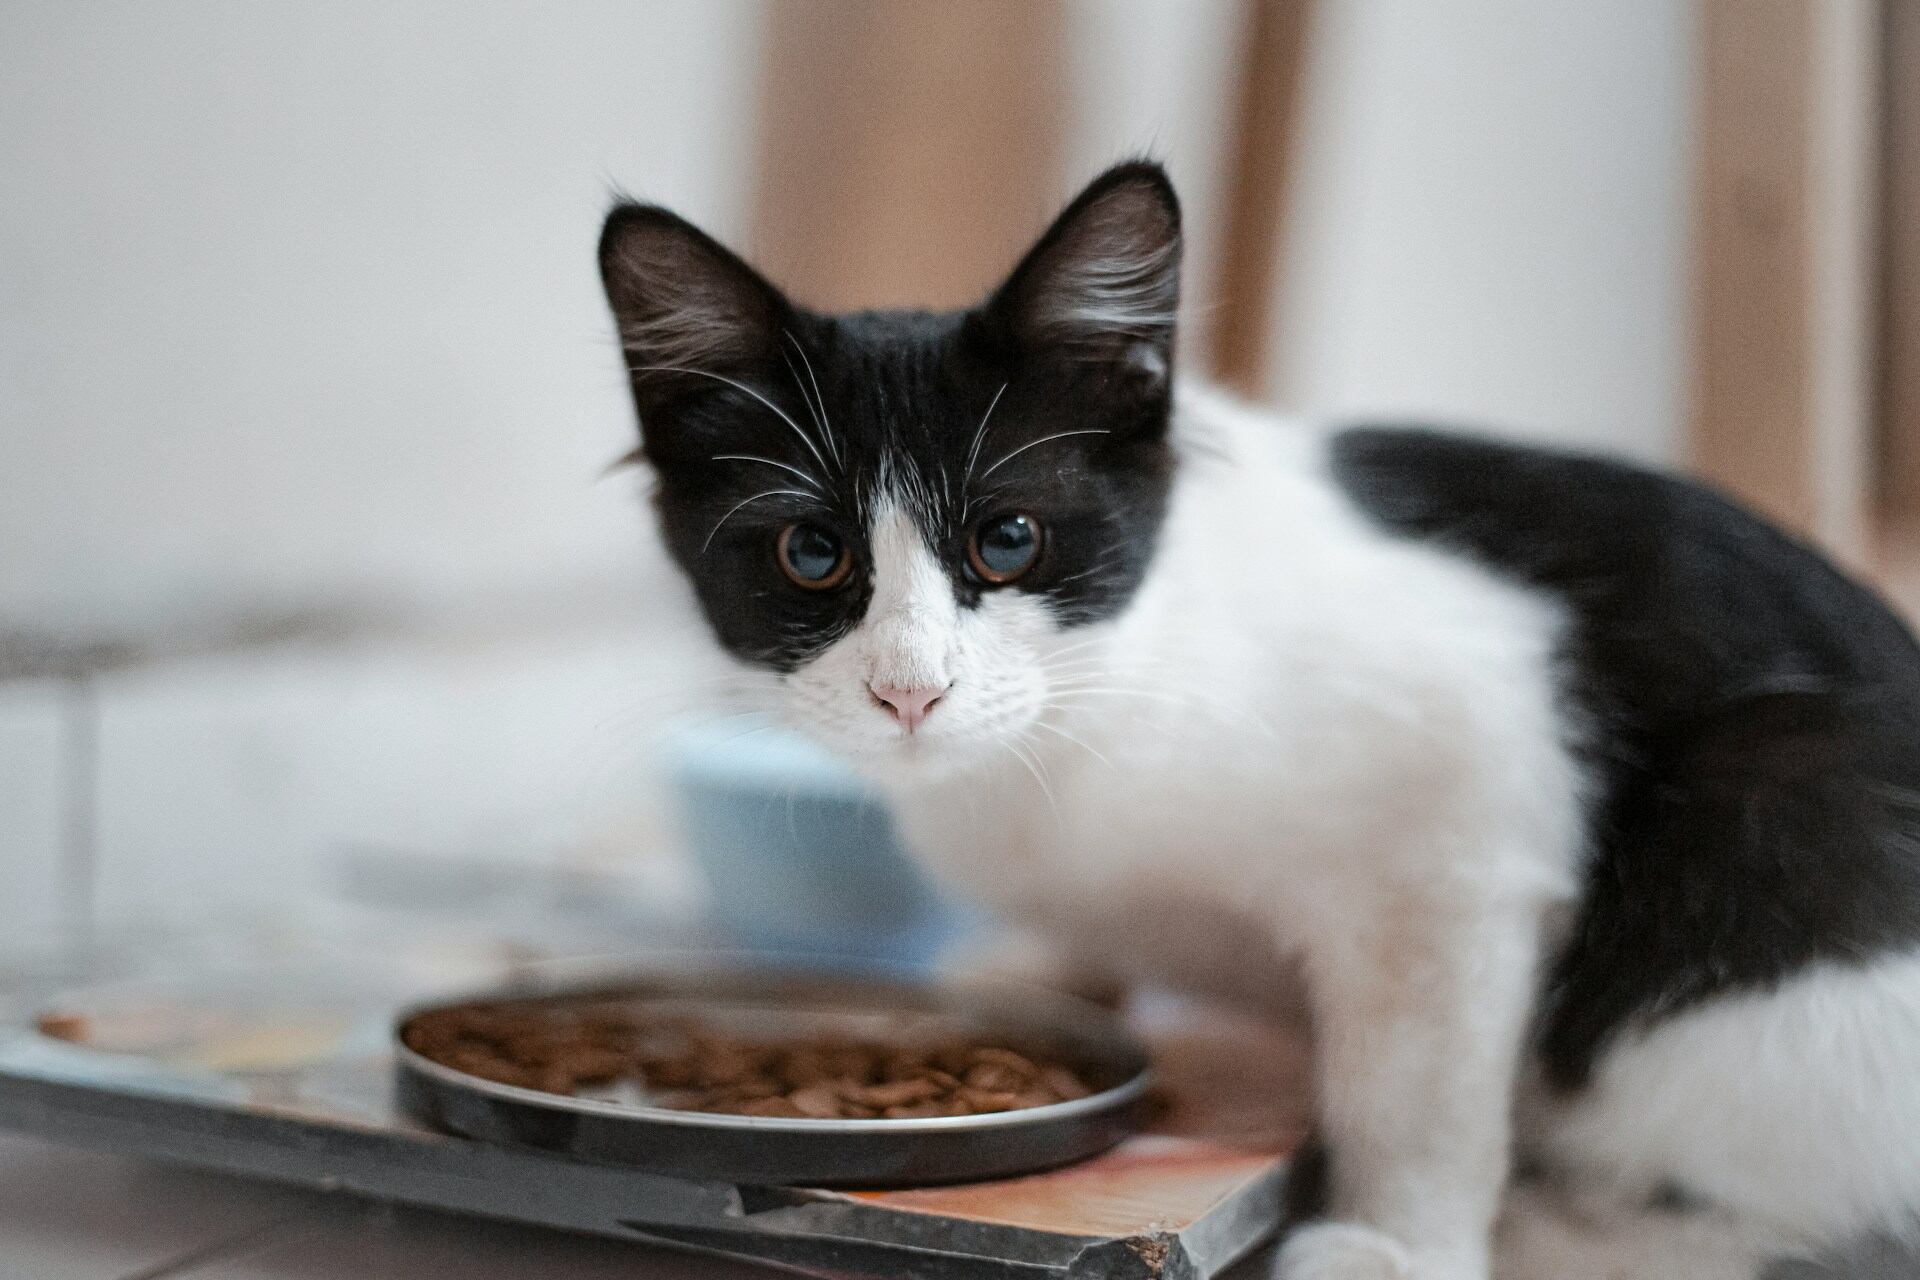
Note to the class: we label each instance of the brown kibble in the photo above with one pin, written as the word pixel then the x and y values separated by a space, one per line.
pixel 559 1046
pixel 994 1078
pixel 555 1079
pixel 819 1100
pixel 592 1065
pixel 71 1027
pixel 984 1100
pixel 898 1093
pixel 990 1055
pixel 1063 1084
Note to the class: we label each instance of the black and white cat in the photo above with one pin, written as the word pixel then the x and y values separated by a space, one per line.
pixel 1587 805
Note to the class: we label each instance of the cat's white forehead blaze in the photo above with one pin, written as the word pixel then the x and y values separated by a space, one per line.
pixel 908 632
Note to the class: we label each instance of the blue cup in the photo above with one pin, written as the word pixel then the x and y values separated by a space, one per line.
pixel 799 853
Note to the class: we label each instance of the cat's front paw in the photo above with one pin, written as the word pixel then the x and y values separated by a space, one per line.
pixel 1344 1251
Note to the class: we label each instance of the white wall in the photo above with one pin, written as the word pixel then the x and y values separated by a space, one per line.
pixel 297 303
pixel 302 295
pixel 1490 219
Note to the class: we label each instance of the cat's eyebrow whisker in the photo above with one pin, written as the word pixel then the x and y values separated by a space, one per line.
pixel 767 493
pixel 986 499
pixel 1035 444
pixel 740 386
pixel 794 371
pixel 826 423
pixel 754 457
pixel 973 453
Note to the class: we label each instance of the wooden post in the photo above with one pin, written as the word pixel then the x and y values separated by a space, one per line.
pixel 909 151
pixel 1899 348
pixel 1264 144
pixel 1784 248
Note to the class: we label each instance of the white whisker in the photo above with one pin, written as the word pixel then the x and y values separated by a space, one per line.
pixel 979 438
pixel 1058 732
pixel 1034 444
pixel 793 370
pixel 740 386
pixel 1075 647
pixel 752 457
pixel 769 493
pixel 826 423
pixel 1033 768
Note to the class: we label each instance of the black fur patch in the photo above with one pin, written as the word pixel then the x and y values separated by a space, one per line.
pixel 1751 714
pixel 756 413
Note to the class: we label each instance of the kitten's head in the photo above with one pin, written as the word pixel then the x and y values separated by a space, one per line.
pixel 913 520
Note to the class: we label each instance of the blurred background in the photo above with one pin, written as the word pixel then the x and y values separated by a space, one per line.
pixel 312 584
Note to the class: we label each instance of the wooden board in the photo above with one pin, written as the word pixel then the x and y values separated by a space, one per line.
pixel 283 1074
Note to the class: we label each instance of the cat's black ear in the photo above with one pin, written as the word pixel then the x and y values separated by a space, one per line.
pixel 1103 284
pixel 685 305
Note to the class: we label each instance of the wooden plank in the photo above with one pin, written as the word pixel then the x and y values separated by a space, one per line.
pixel 1844 175
pixel 1263 149
pixel 1899 339
pixel 1751 395
pixel 1782 287
pixel 908 152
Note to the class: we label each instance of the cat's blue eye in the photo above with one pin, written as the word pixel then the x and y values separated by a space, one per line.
pixel 1004 548
pixel 813 557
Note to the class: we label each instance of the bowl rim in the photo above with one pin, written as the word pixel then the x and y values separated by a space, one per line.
pixel 1099 1026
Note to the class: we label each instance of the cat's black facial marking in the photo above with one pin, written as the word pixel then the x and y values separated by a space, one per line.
pixel 1050 400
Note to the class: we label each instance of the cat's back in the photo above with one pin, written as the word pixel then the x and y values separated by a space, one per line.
pixel 1749 716
pixel 1680 598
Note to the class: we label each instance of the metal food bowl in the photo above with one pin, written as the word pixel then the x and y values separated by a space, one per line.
pixel 783 1002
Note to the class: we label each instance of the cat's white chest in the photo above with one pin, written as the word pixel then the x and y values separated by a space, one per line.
pixel 1138 873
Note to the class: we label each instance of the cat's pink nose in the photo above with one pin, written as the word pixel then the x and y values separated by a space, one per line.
pixel 909 706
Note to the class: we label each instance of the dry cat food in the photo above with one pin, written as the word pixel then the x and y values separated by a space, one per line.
pixel 679 1062
pixel 71 1027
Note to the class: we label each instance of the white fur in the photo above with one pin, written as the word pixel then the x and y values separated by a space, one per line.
pixel 1801 1107
pixel 1119 288
pixel 1544 1234
pixel 1306 745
